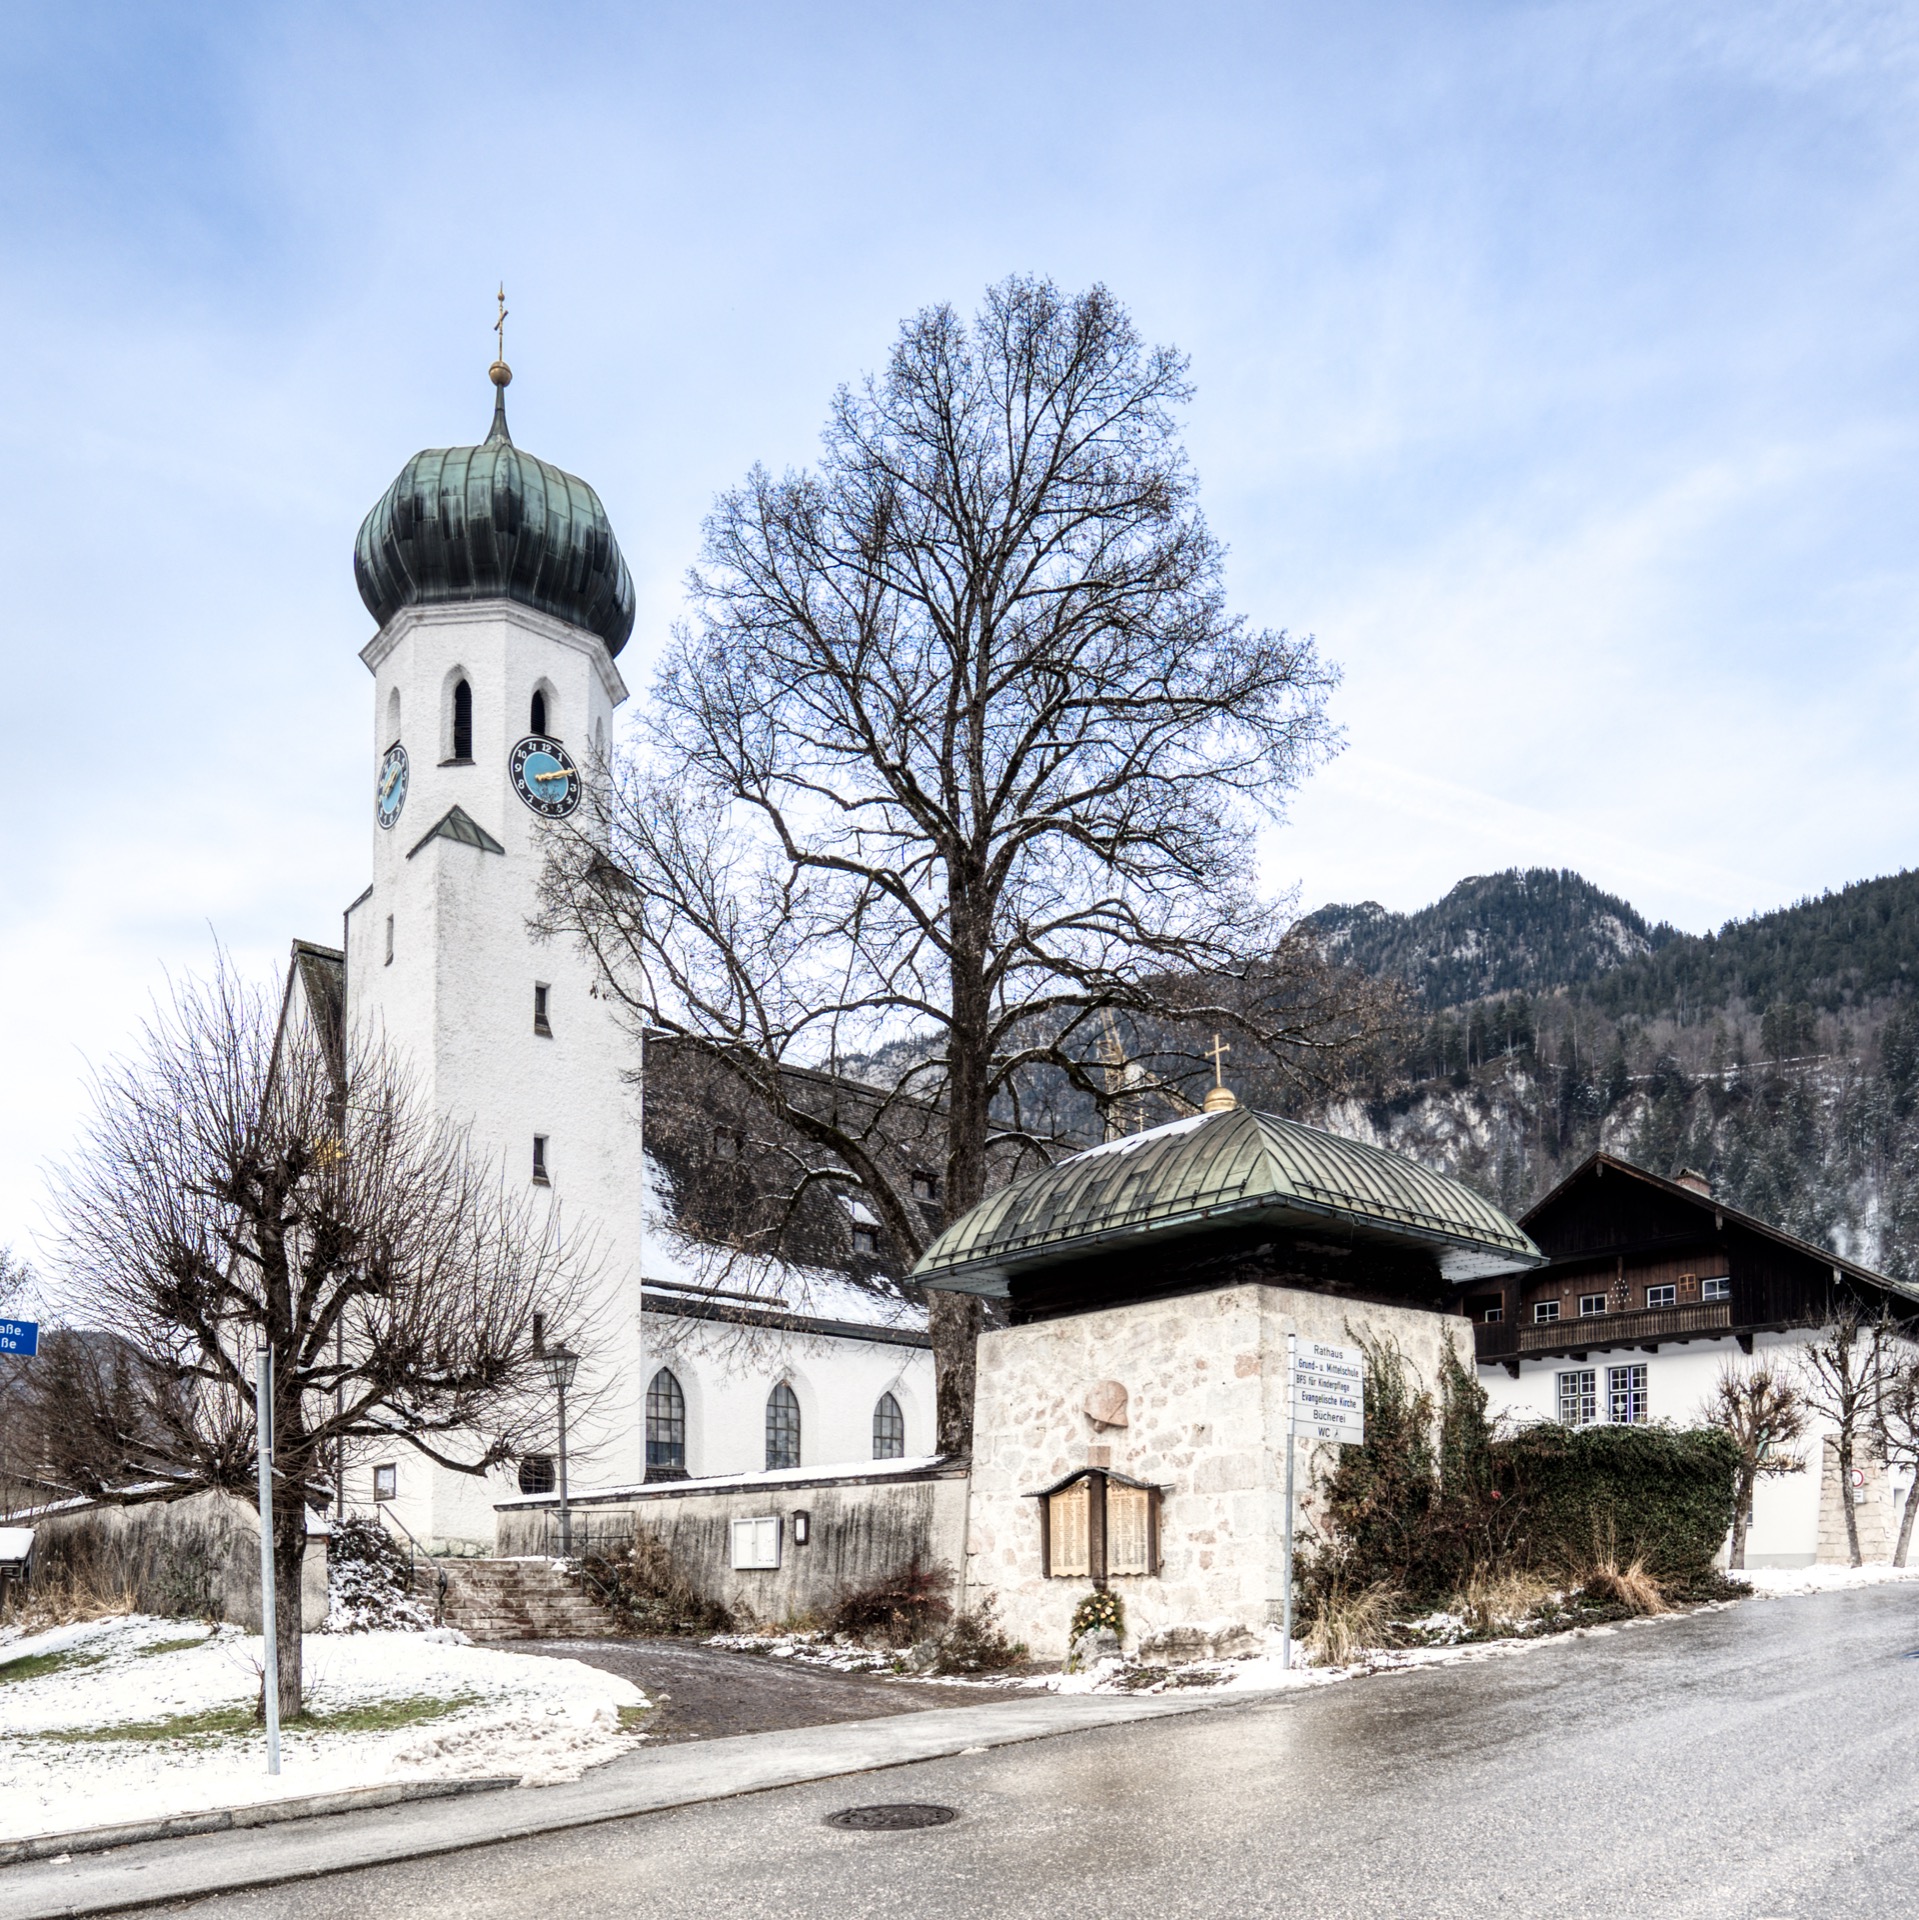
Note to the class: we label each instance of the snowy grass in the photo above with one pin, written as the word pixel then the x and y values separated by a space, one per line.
pixel 130 1719
pixel 1773 1583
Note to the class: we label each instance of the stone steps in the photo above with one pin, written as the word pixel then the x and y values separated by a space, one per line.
pixel 512 1600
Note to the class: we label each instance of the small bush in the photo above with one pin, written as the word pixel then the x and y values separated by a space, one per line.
pixel 648 1591
pixel 906 1605
pixel 1631 1589
pixel 1102 1608
pixel 367 1582
pixel 977 1643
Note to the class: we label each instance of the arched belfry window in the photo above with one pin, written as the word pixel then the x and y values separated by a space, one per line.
pixel 462 721
pixel 665 1424
pixel 782 1428
pixel 889 1429
pixel 536 720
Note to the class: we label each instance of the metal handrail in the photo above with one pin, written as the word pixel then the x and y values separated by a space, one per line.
pixel 413 1547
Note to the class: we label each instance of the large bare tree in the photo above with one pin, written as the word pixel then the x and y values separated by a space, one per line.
pixel 1843 1370
pixel 1762 1412
pixel 250 1179
pixel 960 757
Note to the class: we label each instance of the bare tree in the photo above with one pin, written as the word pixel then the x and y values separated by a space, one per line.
pixel 244 1182
pixel 1896 1425
pixel 1842 1377
pixel 961 753
pixel 1765 1417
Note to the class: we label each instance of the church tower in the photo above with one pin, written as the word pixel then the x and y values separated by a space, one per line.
pixel 502 603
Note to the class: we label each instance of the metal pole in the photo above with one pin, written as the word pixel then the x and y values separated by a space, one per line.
pixel 269 1624
pixel 1286 1566
pixel 566 1517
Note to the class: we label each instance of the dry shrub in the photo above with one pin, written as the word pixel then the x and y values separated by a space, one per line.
pixel 648 1591
pixel 1630 1587
pixel 977 1643
pixel 898 1609
pixel 1497 1598
pixel 63 1601
pixel 1349 1619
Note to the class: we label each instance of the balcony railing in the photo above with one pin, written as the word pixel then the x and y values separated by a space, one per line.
pixel 1501 1341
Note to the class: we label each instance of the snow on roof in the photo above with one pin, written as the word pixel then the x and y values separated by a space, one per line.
pixel 722 1482
pixel 1131 1142
pixel 676 1263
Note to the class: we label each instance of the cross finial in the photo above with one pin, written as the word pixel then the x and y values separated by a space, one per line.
pixel 500 373
pixel 1217 1053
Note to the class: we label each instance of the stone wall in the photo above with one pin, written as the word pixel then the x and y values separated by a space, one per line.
pixel 196 1558
pixel 860 1530
pixel 1205 1418
pixel 1872 1503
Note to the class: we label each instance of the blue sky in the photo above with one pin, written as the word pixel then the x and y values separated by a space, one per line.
pixel 1556 366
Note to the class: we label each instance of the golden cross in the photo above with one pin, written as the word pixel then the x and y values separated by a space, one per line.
pixel 1217 1053
pixel 499 326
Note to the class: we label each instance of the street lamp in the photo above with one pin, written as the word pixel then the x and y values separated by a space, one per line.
pixel 561 1365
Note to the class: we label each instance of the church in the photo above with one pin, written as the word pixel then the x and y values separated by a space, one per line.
pixel 502 604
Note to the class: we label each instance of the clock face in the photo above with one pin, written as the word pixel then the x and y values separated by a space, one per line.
pixel 389 793
pixel 545 777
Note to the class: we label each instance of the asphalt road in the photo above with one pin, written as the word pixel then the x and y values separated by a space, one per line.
pixel 1759 1761
pixel 707 1693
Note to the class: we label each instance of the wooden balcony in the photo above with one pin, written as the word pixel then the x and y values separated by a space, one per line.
pixel 1502 1342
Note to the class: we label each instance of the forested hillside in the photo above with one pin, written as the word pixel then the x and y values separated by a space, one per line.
pixel 1779 1055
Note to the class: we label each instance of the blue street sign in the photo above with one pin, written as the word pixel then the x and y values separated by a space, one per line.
pixel 20 1336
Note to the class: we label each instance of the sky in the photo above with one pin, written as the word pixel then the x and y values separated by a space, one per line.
pixel 1557 366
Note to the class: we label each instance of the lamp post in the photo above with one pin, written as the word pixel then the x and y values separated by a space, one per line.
pixel 269 1622
pixel 561 1365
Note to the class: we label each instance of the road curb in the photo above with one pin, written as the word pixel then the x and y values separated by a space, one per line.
pixel 303 1806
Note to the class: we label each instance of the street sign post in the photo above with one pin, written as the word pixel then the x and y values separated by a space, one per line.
pixel 1326 1401
pixel 21 1337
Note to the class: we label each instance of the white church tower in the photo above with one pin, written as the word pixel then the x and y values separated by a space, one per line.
pixel 502 602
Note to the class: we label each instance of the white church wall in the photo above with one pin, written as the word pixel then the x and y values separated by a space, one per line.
pixel 1205 1378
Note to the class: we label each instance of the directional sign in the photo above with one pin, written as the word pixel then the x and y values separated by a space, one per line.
pixel 20 1336
pixel 1329 1392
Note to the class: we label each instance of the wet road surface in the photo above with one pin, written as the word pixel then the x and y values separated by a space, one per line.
pixel 704 1693
pixel 1757 1762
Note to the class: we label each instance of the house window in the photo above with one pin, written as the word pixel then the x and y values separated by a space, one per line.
pixel 1720 1289
pixel 926 1187
pixel 865 1240
pixel 756 1543
pixel 389 940
pixel 728 1143
pixel 540 1176
pixel 1492 1316
pixel 1662 1296
pixel 541 1024
pixel 386 1483
pixel 1579 1397
pixel 1545 1312
pixel 462 721
pixel 782 1429
pixel 1592 1303
pixel 665 1422
pixel 889 1430
pixel 536 1473
pixel 1626 1393
pixel 536 719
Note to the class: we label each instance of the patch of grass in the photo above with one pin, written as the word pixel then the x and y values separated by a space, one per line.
pixel 33 1666
pixel 633 1719
pixel 174 1646
pixel 220 1723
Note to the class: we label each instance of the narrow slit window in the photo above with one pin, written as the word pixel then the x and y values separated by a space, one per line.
pixel 541 1024
pixel 462 721
pixel 389 940
pixel 536 720
pixel 540 1174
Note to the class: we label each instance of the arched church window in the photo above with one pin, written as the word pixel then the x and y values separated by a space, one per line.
pixel 782 1428
pixel 393 718
pixel 889 1430
pixel 462 721
pixel 536 721
pixel 665 1422
pixel 536 1473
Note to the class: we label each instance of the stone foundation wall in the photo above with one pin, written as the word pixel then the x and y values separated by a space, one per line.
pixel 1205 1412
pixel 1872 1502
pixel 860 1531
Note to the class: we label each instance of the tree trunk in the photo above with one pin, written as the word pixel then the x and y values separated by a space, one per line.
pixel 1845 1495
pixel 1741 1520
pixel 289 1560
pixel 954 1319
pixel 1905 1523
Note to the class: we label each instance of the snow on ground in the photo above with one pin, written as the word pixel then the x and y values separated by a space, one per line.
pixel 1770 1583
pixel 408 1706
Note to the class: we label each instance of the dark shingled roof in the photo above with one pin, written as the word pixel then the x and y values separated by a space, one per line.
pixel 1231 1169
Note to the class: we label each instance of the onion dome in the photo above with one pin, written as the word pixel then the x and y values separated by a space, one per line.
pixel 493 523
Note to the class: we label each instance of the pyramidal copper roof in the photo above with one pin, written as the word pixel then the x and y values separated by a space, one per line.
pixel 1231 1169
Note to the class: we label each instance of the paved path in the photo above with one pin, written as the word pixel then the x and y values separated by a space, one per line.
pixel 705 1693
pixel 1757 1762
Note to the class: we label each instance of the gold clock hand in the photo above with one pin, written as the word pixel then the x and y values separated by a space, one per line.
pixel 559 773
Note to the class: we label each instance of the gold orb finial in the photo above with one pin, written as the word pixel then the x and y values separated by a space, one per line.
pixel 500 374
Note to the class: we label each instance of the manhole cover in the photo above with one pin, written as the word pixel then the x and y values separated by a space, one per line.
pixel 898 1817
